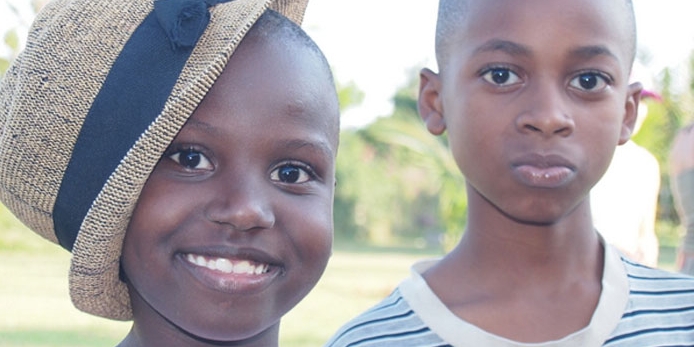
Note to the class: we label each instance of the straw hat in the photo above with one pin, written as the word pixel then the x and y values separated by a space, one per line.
pixel 90 106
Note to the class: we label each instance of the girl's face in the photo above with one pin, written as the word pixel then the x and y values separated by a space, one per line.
pixel 234 226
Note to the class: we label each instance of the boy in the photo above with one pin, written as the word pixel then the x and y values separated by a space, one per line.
pixel 193 187
pixel 534 97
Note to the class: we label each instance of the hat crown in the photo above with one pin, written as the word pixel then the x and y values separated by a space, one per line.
pixel 184 21
pixel 49 92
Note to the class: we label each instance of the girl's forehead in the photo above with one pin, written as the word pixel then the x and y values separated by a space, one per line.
pixel 265 87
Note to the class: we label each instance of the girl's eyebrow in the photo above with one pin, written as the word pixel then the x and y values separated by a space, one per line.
pixel 202 126
pixel 294 144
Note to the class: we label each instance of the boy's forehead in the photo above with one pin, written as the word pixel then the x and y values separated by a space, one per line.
pixel 607 22
pixel 472 5
pixel 613 11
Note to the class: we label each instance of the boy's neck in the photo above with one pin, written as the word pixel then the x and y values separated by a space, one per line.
pixel 518 291
pixel 503 249
pixel 533 253
pixel 568 243
pixel 503 272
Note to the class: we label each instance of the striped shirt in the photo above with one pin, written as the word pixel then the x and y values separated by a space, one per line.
pixel 638 306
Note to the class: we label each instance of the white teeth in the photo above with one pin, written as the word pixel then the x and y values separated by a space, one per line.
pixel 224 265
pixel 227 266
pixel 243 268
pixel 200 260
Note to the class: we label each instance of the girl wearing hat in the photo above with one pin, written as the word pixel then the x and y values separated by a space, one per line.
pixel 183 151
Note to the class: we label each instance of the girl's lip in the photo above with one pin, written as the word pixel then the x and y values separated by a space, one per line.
pixel 232 252
pixel 231 271
pixel 227 265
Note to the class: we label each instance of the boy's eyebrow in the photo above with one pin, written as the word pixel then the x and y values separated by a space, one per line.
pixel 513 48
pixel 505 46
pixel 587 52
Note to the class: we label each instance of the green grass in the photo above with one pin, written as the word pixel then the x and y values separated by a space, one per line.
pixel 35 309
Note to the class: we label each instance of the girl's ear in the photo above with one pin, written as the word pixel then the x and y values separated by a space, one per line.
pixel 631 110
pixel 429 103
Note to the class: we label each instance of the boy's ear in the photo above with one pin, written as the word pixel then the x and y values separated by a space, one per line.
pixel 631 110
pixel 429 103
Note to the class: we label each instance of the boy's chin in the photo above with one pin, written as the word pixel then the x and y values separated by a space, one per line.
pixel 538 217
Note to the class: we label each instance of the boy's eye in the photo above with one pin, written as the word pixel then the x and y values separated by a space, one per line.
pixel 589 81
pixel 501 76
pixel 290 173
pixel 191 159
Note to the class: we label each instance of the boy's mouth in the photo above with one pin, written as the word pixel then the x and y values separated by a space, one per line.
pixel 228 266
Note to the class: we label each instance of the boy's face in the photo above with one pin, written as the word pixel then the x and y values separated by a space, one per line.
pixel 234 226
pixel 534 97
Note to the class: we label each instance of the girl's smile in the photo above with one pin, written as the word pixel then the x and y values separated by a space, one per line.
pixel 232 275
pixel 228 266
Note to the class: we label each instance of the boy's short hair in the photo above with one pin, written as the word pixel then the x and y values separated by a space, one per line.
pixel 452 12
pixel 90 106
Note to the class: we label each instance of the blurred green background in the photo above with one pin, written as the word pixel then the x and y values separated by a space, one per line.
pixel 399 198
pixel 36 310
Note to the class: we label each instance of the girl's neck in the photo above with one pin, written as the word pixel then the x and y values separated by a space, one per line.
pixel 141 337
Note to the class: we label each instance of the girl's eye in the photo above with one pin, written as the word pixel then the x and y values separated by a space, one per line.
pixel 191 159
pixel 590 82
pixel 290 173
pixel 501 76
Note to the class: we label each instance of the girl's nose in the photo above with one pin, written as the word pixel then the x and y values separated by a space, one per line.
pixel 243 205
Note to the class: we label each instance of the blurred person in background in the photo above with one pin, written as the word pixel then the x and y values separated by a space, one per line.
pixel 625 200
pixel 682 184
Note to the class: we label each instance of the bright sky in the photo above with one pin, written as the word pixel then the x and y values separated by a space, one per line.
pixel 379 49
pixel 380 44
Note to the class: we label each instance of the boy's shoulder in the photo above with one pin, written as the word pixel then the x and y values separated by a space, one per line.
pixel 641 274
pixel 391 322
pixel 660 308
pixel 397 320
pixel 652 284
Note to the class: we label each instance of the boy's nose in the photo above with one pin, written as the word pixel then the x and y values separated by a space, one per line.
pixel 545 114
pixel 243 205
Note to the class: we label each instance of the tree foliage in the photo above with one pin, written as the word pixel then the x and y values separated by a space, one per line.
pixel 401 180
pixel 11 41
pixel 665 117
